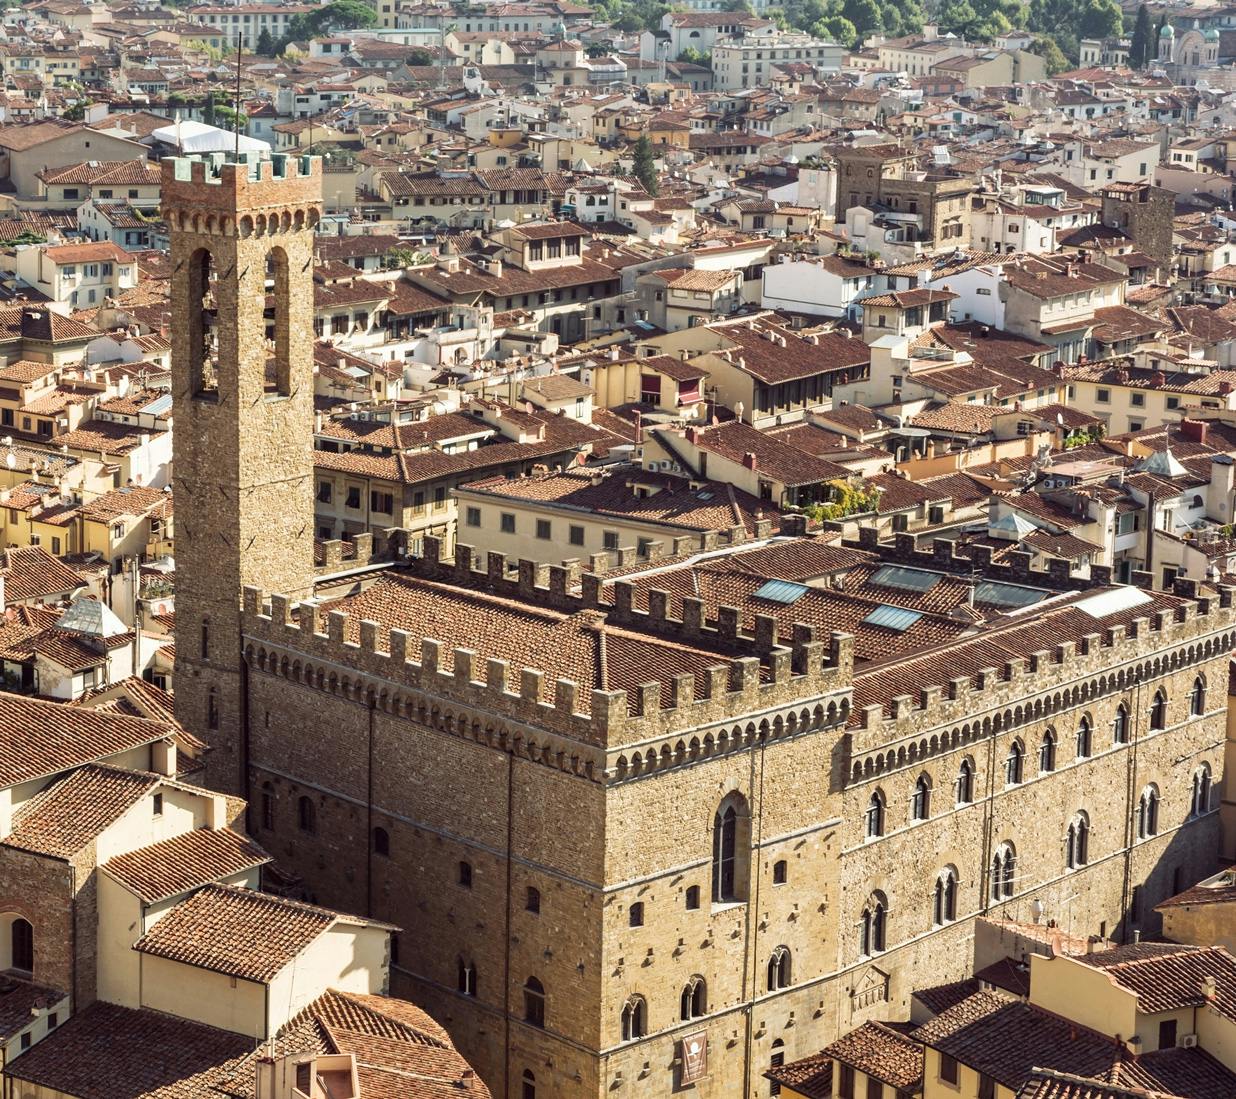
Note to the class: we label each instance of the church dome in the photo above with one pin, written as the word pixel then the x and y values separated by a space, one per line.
pixel 1167 31
pixel 1211 35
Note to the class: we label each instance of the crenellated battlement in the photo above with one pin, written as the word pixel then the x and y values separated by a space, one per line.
pixel 1030 690
pixel 245 195
pixel 783 691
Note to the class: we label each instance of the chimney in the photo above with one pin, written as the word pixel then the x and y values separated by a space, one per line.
pixel 1209 987
pixel 748 460
pixel 1195 430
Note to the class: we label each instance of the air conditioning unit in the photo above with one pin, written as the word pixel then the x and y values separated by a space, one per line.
pixel 1188 1041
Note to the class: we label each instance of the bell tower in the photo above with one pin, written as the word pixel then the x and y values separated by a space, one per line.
pixel 242 382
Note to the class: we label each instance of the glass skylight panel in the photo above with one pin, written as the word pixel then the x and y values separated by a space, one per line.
pixel 892 618
pixel 898 576
pixel 780 591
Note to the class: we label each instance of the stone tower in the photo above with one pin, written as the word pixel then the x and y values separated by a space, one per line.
pixel 242 376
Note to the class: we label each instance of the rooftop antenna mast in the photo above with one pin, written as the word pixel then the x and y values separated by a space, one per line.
pixel 240 45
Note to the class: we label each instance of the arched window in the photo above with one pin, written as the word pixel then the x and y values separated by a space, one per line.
pixel 382 842
pixel 534 1002
pixel 634 1019
pixel 306 815
pixel 268 807
pixel 635 914
pixel 465 874
pixel 730 835
pixel 1014 764
pixel 1077 842
pixel 875 815
pixel 203 326
pixel 1158 710
pixel 965 783
pixel 1148 813
pixel 920 801
pixel 873 924
pixel 528 1081
pixel 779 969
pixel 944 898
pixel 781 872
pixel 1083 738
pixel 1200 801
pixel 1197 698
pixel 532 902
pixel 1047 753
pixel 21 943
pixel 466 978
pixel 1120 725
pixel 694 1003
pixel 692 897
pixel 277 261
pixel 1003 872
pixel 212 709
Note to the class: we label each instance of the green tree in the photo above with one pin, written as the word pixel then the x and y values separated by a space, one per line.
pixel 401 257
pixel 1047 49
pixel 419 56
pixel 1100 19
pixel 265 43
pixel 692 56
pixel 645 166
pixel 836 27
pixel 1140 44
pixel 342 15
pixel 75 113
pixel 864 15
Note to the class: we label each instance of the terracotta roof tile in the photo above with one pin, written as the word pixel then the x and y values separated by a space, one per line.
pixel 71 813
pixel 157 1056
pixel 185 862
pixel 877 1050
pixel 40 738
pixel 238 932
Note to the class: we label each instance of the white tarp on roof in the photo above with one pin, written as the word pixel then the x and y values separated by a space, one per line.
pixel 197 137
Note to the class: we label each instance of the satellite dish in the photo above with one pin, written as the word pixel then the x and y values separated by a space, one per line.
pixel 10 460
pixel 1060 418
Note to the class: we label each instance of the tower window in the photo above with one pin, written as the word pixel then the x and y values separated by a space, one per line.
pixel 534 1003
pixel 465 874
pixel 306 815
pixel 203 323
pixel 532 903
pixel 635 914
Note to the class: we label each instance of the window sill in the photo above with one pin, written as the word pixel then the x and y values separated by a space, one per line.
pixel 726 906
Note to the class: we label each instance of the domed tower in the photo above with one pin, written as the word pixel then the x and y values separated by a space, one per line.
pixel 1167 44
pixel 1210 49
pixel 242 378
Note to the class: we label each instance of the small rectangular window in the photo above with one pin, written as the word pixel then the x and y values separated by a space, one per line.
pixel 473 517
pixel 354 497
pixel 543 530
pixel 508 523
pixel 576 535
pixel 948 1068
pixel 1103 396
pixel 158 805
pixel 845 1085
pixel 609 540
